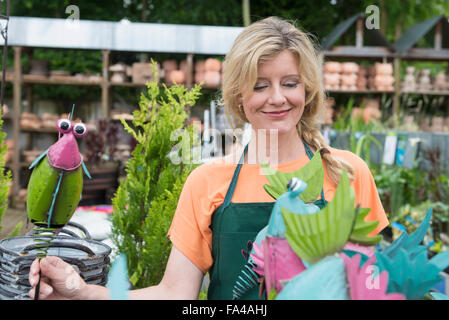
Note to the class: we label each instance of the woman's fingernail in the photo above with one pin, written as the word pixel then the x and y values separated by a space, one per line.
pixel 47 290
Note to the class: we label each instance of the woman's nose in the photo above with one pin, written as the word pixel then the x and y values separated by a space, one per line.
pixel 276 97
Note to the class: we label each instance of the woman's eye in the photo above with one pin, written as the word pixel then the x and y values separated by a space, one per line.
pixel 259 87
pixel 291 84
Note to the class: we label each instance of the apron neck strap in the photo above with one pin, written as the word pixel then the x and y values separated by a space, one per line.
pixel 310 155
pixel 308 150
pixel 231 188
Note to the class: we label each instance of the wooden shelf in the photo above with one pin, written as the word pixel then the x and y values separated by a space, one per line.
pixel 42 130
pixel 49 81
pixel 360 91
pixel 127 84
pixel 428 92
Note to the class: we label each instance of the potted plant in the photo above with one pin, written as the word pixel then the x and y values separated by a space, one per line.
pixel 101 163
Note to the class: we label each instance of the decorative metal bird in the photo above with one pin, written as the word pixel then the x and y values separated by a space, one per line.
pixel 55 185
pixel 271 254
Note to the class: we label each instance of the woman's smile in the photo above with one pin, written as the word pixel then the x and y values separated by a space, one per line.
pixel 276 114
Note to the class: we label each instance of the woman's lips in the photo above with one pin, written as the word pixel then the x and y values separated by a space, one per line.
pixel 277 114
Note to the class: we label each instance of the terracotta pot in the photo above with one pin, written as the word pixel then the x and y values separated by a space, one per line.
pixel 212 78
pixel 199 66
pixel 383 68
pixel 409 83
pixel 440 81
pixel 212 64
pixel 332 67
pixel 199 76
pixel 348 80
pixel 183 66
pixel 331 81
pixel 384 82
pixel 177 76
pixel 349 67
pixel 169 65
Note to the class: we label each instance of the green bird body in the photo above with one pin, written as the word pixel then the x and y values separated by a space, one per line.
pixel 41 188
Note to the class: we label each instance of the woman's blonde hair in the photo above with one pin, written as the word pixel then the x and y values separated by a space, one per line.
pixel 261 41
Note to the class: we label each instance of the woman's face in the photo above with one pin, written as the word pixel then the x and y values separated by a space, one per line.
pixel 277 99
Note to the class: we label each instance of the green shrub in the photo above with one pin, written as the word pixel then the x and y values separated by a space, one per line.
pixel 147 199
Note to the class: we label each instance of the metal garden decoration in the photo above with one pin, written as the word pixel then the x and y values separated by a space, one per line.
pixel 55 185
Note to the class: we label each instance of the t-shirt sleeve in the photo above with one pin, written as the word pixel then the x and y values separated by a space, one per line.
pixel 368 197
pixel 189 231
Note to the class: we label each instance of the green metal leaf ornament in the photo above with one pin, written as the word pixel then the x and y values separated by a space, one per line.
pixel 312 174
pixel 315 236
pixel 362 228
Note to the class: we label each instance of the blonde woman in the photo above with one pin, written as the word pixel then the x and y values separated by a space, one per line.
pixel 272 81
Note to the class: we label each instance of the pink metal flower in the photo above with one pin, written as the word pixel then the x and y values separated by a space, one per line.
pixel 366 283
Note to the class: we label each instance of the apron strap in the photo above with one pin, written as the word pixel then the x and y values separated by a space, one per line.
pixel 310 155
pixel 231 188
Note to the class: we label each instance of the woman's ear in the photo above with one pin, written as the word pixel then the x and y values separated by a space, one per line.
pixel 240 99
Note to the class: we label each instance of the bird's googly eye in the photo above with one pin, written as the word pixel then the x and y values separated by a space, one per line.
pixel 80 130
pixel 64 125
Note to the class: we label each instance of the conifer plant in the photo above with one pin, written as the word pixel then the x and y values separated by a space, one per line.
pixel 146 199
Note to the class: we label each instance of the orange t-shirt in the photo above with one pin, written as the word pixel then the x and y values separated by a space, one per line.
pixel 206 187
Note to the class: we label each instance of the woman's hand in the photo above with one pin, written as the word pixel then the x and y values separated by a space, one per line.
pixel 59 280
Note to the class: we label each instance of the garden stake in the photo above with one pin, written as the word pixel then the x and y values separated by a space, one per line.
pixel 55 186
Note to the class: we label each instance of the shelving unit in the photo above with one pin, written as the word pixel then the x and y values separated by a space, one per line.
pixel 107 37
pixel 382 50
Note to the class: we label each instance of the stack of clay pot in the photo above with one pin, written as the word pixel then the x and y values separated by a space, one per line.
pixel 49 120
pixel 348 77
pixel 441 82
pixel 118 72
pixel 29 121
pixel 331 75
pixel 362 81
pixel 172 74
pixel 212 75
pixel 424 83
pixel 142 72
pixel 409 83
pixel 199 71
pixel 383 79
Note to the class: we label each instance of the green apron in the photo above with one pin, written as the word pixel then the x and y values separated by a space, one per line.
pixel 233 225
